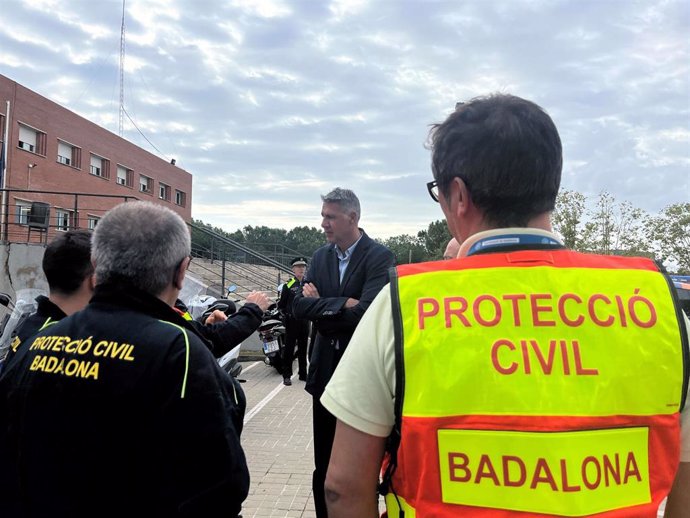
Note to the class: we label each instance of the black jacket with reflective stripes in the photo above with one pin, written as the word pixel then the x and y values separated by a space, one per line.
pixel 117 410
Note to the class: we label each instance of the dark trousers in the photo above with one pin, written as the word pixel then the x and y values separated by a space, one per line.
pixel 324 433
pixel 295 335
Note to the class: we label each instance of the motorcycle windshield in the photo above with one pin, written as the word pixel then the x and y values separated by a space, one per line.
pixel 25 305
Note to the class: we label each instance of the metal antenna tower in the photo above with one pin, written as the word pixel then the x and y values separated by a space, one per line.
pixel 122 70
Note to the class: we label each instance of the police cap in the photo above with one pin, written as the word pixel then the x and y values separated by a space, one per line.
pixel 299 261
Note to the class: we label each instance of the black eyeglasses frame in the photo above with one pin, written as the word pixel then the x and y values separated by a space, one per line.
pixel 432 187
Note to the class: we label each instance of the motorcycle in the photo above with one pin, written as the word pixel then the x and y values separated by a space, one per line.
pixel 272 335
pixel 18 310
pixel 230 361
pixel 200 306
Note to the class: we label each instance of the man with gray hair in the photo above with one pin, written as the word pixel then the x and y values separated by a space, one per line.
pixel 343 278
pixel 120 409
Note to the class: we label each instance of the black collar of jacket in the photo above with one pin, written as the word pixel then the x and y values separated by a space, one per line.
pixel 47 308
pixel 125 295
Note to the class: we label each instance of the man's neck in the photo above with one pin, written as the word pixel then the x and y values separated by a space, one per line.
pixel 541 222
pixel 349 242
pixel 169 295
pixel 70 303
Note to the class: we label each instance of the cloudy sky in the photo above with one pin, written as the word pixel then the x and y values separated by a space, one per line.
pixel 270 103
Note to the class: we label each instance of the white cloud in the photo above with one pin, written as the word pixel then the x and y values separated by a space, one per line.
pixel 310 95
pixel 264 8
pixel 345 8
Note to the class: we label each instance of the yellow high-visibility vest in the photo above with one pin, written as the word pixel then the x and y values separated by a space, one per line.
pixel 537 383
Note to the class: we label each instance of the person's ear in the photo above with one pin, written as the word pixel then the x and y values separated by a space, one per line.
pixel 178 279
pixel 458 197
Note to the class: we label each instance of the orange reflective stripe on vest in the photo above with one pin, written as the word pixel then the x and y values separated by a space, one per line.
pixel 538 383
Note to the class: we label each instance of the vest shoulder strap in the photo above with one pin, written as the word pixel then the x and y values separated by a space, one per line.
pixel 683 333
pixel 393 441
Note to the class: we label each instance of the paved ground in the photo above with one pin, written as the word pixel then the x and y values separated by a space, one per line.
pixel 278 444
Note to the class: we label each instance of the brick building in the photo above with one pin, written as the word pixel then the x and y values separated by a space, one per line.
pixel 74 168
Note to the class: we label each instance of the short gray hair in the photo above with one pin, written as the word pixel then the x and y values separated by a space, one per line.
pixel 347 200
pixel 141 243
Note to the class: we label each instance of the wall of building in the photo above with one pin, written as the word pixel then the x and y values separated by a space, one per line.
pixel 21 267
pixel 59 123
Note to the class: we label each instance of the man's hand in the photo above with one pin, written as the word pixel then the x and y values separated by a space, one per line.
pixel 260 299
pixel 309 290
pixel 350 303
pixel 216 317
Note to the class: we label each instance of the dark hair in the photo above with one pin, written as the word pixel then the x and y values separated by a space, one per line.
pixel 508 153
pixel 67 261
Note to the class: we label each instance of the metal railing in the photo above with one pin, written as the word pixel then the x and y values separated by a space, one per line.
pixel 68 210
pixel 221 260
pixel 224 261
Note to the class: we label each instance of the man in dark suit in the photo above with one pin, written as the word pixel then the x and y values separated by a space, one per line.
pixel 344 277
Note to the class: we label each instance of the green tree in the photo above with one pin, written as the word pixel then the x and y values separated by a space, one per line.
pixel 670 233
pixel 567 219
pixel 264 235
pixel 435 238
pixel 617 228
pixel 406 248
pixel 305 240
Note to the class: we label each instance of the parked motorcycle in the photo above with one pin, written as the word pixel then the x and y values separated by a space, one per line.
pixel 200 306
pixel 272 335
pixel 18 310
pixel 230 361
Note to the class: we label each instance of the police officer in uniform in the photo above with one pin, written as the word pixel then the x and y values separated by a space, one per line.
pixel 297 330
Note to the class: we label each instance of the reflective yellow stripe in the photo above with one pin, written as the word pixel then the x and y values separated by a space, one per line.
pixel 186 360
pixel 47 323
pixel 550 341
pixel 565 473
pixel 291 282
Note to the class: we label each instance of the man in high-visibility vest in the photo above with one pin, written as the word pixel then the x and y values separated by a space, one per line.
pixel 521 379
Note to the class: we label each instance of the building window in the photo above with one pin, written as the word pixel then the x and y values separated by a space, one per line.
pixel 145 184
pixel 32 140
pixel 180 198
pixel 100 166
pixel 2 127
pixel 124 176
pixel 62 219
pixel 68 154
pixel 92 221
pixel 164 192
pixel 22 212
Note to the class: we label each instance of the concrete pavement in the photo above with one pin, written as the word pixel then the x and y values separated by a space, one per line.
pixel 277 441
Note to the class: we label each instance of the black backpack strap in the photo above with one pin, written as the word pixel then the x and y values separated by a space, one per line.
pixel 393 441
pixel 683 333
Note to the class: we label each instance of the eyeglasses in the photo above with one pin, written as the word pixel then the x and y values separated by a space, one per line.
pixel 432 187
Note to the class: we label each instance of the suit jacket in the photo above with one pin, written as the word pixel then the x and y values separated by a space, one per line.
pixel 366 274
